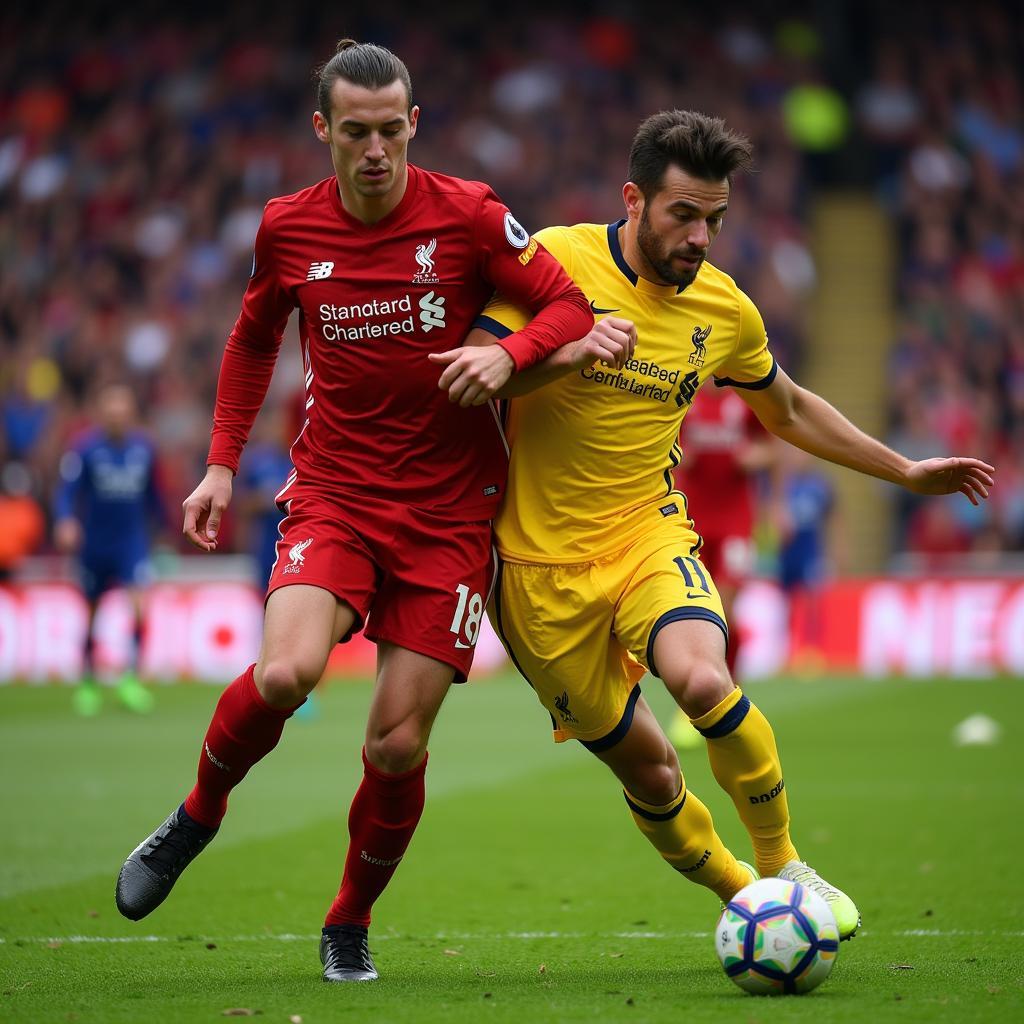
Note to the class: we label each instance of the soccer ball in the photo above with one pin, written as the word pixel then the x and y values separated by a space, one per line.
pixel 777 937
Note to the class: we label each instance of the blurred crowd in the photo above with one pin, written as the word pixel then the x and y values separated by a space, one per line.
pixel 138 146
pixel 943 112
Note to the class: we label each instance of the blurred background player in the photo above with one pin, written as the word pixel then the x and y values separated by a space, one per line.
pixel 805 519
pixel 107 503
pixel 139 282
pixel 724 448
pixel 262 472
pixel 24 525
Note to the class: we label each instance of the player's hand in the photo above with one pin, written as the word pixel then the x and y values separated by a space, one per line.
pixel 611 341
pixel 948 476
pixel 205 506
pixel 67 535
pixel 473 374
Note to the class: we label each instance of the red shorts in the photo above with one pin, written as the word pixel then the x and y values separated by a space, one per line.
pixel 416 579
pixel 730 560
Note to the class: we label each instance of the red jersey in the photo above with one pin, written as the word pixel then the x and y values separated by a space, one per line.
pixel 373 301
pixel 719 491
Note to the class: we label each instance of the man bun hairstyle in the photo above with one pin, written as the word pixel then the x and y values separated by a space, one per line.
pixel 365 64
pixel 700 145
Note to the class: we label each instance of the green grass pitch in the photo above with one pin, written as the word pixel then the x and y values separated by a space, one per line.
pixel 527 894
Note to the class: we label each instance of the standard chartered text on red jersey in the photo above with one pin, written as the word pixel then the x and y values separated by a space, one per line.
pixel 370 314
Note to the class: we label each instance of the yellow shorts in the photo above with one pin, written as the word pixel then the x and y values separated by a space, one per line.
pixel 583 635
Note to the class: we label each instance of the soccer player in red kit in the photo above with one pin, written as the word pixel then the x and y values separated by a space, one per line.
pixel 388 506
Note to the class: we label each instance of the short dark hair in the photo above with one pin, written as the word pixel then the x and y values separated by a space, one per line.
pixel 365 64
pixel 701 145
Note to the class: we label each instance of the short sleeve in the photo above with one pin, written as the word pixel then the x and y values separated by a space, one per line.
pixel 751 364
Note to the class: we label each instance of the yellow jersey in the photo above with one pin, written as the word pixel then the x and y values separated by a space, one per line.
pixel 592 453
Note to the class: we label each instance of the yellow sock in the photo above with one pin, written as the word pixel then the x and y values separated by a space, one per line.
pixel 684 834
pixel 745 761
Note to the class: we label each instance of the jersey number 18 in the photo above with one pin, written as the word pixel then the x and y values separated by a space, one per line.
pixel 467 616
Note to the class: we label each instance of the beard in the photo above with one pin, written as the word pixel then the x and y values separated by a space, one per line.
pixel 660 258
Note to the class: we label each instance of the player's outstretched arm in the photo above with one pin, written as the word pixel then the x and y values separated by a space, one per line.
pixel 806 420
pixel 611 341
pixel 205 506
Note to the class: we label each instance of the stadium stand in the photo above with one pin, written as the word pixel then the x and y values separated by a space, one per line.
pixel 138 146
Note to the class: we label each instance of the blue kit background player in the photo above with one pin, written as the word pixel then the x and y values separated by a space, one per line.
pixel 262 473
pixel 106 504
pixel 808 502
pixel 808 528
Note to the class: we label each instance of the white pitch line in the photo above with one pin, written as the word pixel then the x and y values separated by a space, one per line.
pixel 928 933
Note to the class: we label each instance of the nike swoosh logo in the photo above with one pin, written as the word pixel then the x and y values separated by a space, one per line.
pixel 696 597
pixel 597 309
pixel 461 646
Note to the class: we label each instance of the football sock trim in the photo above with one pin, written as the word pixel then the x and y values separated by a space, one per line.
pixel 724 718
pixel 745 762
pixel 656 812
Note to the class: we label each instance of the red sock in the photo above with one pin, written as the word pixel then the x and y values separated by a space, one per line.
pixel 381 821
pixel 244 729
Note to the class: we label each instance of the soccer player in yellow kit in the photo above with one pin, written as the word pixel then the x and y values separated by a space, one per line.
pixel 601 578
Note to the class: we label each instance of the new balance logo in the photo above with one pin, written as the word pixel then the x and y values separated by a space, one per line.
pixel 295 554
pixel 320 271
pixel 431 312
pixel 764 798
pixel 425 258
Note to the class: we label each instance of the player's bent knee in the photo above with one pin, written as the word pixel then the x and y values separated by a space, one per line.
pixel 397 750
pixel 283 684
pixel 701 689
pixel 656 784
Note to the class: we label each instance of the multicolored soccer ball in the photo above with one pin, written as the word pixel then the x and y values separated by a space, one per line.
pixel 777 938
